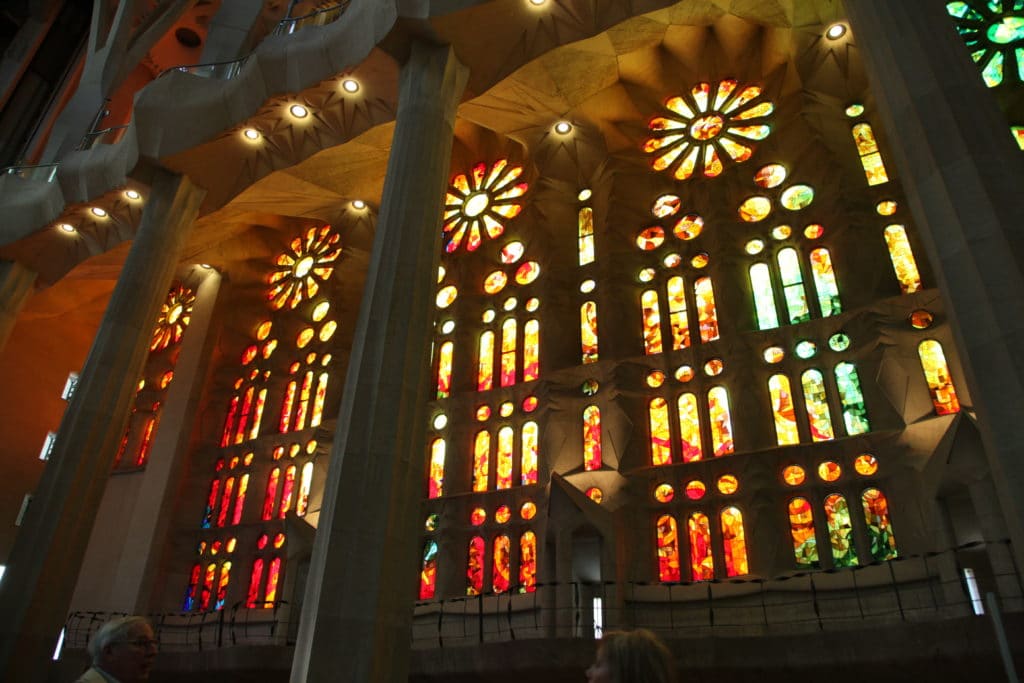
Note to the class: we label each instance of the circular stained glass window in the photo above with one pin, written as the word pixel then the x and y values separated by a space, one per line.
pixel 886 207
pixel 814 231
pixel 645 275
pixel 584 194
pixel 754 247
pixel 770 176
pixel 921 319
pixel 532 304
pixel 855 110
pixel 304 337
pixel 714 367
pixel 774 354
pixel 483 413
pixel 595 494
pixel 478 516
pixel 684 373
pixel 495 282
pixel 328 330
pixel 278 540
pixel 261 542
pixel 651 238
pixel 755 209
pixel 502 514
pixel 695 490
pixel 655 378
pixel 666 205
pixel 865 465
pixel 488 316
pixel 664 493
pixel 320 311
pixel 806 349
pixel 672 260
pixel 688 227
pixel 447 326
pixel 528 510
pixel 506 408
pixel 587 286
pixel 431 523
pixel 781 232
pixel 440 421
pixel 794 475
pixel 440 274
pixel 512 252
pixel 728 484
pixel 829 471
pixel 528 272
pixel 700 260
pixel 797 197
pixel 263 331
pixel 529 404
pixel 510 303
pixel 590 387
pixel 446 296
pixel 839 342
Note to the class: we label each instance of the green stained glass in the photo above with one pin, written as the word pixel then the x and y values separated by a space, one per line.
pixel 816 402
pixel 764 302
pixel 839 342
pixel 1008 30
pixel 876 516
pixel 960 10
pixel 797 197
pixel 993 72
pixel 840 531
pixel 825 283
pixel 806 349
pixel 793 287
pixel 855 413
pixel 1018 53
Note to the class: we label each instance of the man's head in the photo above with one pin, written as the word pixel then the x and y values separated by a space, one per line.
pixel 125 648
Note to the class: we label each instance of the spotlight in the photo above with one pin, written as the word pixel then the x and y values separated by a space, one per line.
pixel 358 204
pixel 298 111
pixel 537 3
pixel 252 133
pixel 98 212
pixel 66 227
pixel 205 266
pixel 835 31
pixel 132 194
pixel 563 127
pixel 350 85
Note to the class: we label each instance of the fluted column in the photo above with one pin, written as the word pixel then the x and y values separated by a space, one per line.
pixel 15 287
pixel 356 619
pixel 48 551
pixel 962 172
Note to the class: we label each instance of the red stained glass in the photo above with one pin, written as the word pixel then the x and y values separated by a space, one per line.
pixel 702 565
pixel 677 313
pixel 271 494
pixel 243 486
pixel 273 578
pixel 428 571
pixel 734 542
pixel 475 566
pixel 190 591
pixel 287 405
pixel 531 350
pixel 668 550
pixel 229 423
pixel 435 477
pixel 591 438
pixel 528 458
pixel 211 504
pixel 286 492
pixel 661 437
pixel 243 420
pixel 255 581
pixel 147 441
pixel 257 418
pixel 225 501
pixel 508 353
pixel 501 572
pixel 504 458
pixel 207 593
pixel 300 414
pixel 689 428
pixel 481 460
pixel 444 370
pixel 528 562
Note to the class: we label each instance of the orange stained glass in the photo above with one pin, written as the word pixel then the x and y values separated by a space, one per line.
pixel 229 422
pixel 728 484
pixel 504 458
pixel 243 419
pixel 734 542
pixel 865 465
pixel 243 486
pixel 528 562
pixel 475 566
pixel 222 585
pixel 207 592
pixel 801 529
pixel 273 578
pixel 655 378
pixel 495 282
pixel 661 437
pixel 585 222
pixel 870 157
pixel 721 421
pixel 936 373
pixel 595 494
pixel 786 432
pixel 695 489
pixel 147 441
pixel 829 471
pixel 435 477
pixel 591 438
pixel 477 201
pixel 428 571
pixel 706 311
pixel 689 428
pixel 688 227
pixel 651 238
pixel 255 581
pixel 921 319
pixel 664 493
pixel 444 370
pixel 825 283
pixel 668 550
pixel 794 475
pixel 876 516
pixel 225 501
pixel 319 398
pixel 485 365
pixel 652 322
pixel 588 332
pixel 286 407
pixel 302 269
pixel 304 337
pixel 840 531
pixel 478 516
pixel 287 491
pixel 257 413
pixel 270 497
pixel 508 352
pixel 677 313
pixel 816 401
pixel 702 564
pixel 481 460
pixel 531 350
pixel 527 272
pixel 175 315
pixel 305 484
pixel 902 257
pixel 303 409
pixel 528 454
pixel 501 576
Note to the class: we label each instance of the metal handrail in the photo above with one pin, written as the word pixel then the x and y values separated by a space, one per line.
pixel 320 17
pixel 45 172
pixel 107 136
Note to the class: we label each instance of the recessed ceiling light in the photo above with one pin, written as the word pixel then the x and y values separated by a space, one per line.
pixel 350 85
pixel 358 204
pixel 563 127
pixel 66 227
pixel 132 194
pixel 835 31
pixel 252 133
pixel 207 266
pixel 98 212
pixel 298 111
pixel 537 3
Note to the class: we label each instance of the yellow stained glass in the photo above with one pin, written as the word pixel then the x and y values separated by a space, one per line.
pixel 689 427
pixel 531 350
pixel 661 439
pixel 794 475
pixel 528 454
pixel 481 460
pixel 721 421
pixel 786 432
pixel 485 364
pixel 588 332
pixel 652 322
pixel 668 549
pixel 592 438
pixel 902 258
pixel 707 312
pixel 936 373
pixel 754 209
pixel 734 542
pixel 504 459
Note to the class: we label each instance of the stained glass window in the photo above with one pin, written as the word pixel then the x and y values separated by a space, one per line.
pixel 222 585
pixel 652 322
pixel 273 578
pixel 721 421
pixel 707 312
pixel 855 413
pixel 528 562
pixel 444 370
pixel 305 484
pixel 207 592
pixel 588 332
pixel 255 583
pixel 876 516
pixel 840 531
pixel 801 528
pixel 504 458
pixel 243 486
pixel 902 258
pixel 661 438
pixel 677 313
pixel 225 501
pixel 485 367
pixel 702 564
pixel 531 350
pixel 477 202
pixel 764 301
pixel 428 571
pixel 435 477
pixel 192 590
pixel 870 157
pixel 786 432
pixel 211 504
pixel 825 283
pixel 936 373
pixel 508 352
pixel 992 31
pixel 271 493
pixel 303 268
pixel 793 286
pixel 475 566
pixel 585 222
pixel 689 427
pixel 816 400
pixel 528 457
pixel 668 550
pixel 734 542
pixel 591 438
pixel 287 491
pixel 501 571
pixel 481 460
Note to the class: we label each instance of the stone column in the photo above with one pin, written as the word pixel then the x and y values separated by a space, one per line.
pixel 15 286
pixel 47 554
pixel 962 172
pixel 356 622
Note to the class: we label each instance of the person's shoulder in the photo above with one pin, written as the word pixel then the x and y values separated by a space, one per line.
pixel 91 676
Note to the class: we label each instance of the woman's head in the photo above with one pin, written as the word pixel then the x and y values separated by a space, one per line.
pixel 632 657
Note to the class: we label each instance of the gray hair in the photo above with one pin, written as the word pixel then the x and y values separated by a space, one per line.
pixel 114 631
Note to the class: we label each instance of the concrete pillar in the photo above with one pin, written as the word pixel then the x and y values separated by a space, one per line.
pixel 356 622
pixel 15 286
pixel 961 172
pixel 47 554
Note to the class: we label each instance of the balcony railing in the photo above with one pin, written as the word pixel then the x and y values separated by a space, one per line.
pixel 46 173
pixel 107 136
pixel 320 17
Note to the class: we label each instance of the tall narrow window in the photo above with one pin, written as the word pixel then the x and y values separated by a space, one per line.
pixel 585 221
pixel 825 283
pixel 668 550
pixel 876 516
pixel 531 350
pixel 528 562
pixel 475 566
pixel 209 577
pixel 485 366
pixel 702 564
pixel 319 399
pixel 677 313
pixel 721 421
pixel 147 438
pixel 303 409
pixel 528 454
pixel 257 413
pixel 801 528
pixel 271 495
pixel 786 432
pixel 764 301
pixel 255 583
pixel 501 577
pixel 793 286
pixel 286 407
pixel 689 428
pixel 734 542
pixel 588 332
pixel 902 257
pixel 191 592
pixel 225 501
pixel 855 413
pixel 870 157
pixel 243 486
pixel 661 437
pixel 591 438
pixel 428 571
pixel 444 369
pixel 508 352
pixel 222 585
pixel 652 322
pixel 840 531
pixel 707 312
pixel 504 458
pixel 435 478
pixel 305 484
pixel 287 490
pixel 936 373
pixel 817 405
pixel 229 422
pixel 481 460
pixel 243 419
pixel 211 504
pixel 273 578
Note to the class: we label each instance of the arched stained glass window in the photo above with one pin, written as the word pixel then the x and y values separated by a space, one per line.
pixel 840 531
pixel 817 405
pixel 734 542
pixel 992 32
pixel 902 257
pixel 287 405
pixel 793 286
pixel 528 454
pixel 302 410
pixel 435 477
pixel 147 437
pixel 668 550
pixel 243 486
pixel 801 528
pixel 444 370
pixel 222 585
pixel 585 222
pixel 876 516
pixel 287 491
pixel 588 332
pixel 677 313
pixel 661 437
pixel 825 283
pixel 689 428
pixel 870 157
pixel 707 312
pixel 652 322
pixel 855 413
pixel 475 566
pixel 273 578
pixel 192 590
pixel 591 438
pixel 485 366
pixel 721 421
pixel 936 373
pixel 702 564
pixel 319 398
pixel 481 460
pixel 764 301
pixel 271 495
pixel 246 413
pixel 211 504
pixel 508 352
pixel 504 458
pixel 501 571
pixel 255 583
pixel 225 501
pixel 786 432
pixel 229 422
pixel 428 571
pixel 207 593
pixel 305 485
pixel 531 350
pixel 528 562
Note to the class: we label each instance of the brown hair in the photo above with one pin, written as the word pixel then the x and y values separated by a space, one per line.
pixel 637 657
